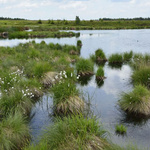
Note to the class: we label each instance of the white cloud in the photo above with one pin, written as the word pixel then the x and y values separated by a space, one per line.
pixel 64 9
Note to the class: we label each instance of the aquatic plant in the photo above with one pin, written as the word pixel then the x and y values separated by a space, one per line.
pixel 79 43
pixel 14 132
pixel 140 61
pixel 100 74
pixel 100 55
pixel 93 57
pixel 127 56
pixel 136 102
pixel 142 76
pixel 115 59
pixel 121 129
pixel 84 67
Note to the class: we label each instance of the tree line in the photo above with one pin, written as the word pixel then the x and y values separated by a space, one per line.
pixel 7 18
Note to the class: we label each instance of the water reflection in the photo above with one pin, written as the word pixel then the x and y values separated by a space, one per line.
pixel 40 115
pixel 84 80
pixel 100 83
pixel 133 119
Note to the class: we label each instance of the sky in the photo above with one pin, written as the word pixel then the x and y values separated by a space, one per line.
pixel 69 9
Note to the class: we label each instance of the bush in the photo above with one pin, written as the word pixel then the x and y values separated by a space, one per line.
pixel 39 21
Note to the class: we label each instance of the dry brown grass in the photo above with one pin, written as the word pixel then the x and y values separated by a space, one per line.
pixel 73 105
pixel 49 79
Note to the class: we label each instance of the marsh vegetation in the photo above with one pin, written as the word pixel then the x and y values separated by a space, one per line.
pixel 32 69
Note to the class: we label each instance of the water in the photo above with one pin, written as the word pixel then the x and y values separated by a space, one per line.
pixel 104 98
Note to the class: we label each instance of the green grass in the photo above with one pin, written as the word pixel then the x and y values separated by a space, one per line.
pixel 63 90
pixel 15 99
pixel 14 132
pixel 115 59
pixel 100 54
pixel 22 69
pixel 55 25
pixel 79 43
pixel 140 61
pixel 142 76
pixel 128 147
pixel 84 65
pixel 100 72
pixel 127 56
pixel 121 129
pixel 136 102
pixel 75 132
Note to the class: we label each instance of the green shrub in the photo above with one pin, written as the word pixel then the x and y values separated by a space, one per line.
pixel 39 21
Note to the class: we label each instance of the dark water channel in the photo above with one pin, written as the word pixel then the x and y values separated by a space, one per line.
pixel 104 98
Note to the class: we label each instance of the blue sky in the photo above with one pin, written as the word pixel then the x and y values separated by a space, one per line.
pixel 68 9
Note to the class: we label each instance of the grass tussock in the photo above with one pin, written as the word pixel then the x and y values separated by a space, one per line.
pixel 50 78
pixel 136 102
pixel 127 56
pixel 75 132
pixel 79 43
pixel 115 59
pixel 84 67
pixel 121 129
pixel 14 132
pixel 66 98
pixel 100 55
pixel 142 76
pixel 15 99
pixel 100 74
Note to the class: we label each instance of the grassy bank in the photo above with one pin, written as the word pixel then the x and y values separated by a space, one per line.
pixel 50 28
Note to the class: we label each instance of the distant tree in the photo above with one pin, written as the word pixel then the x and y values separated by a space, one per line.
pixel 77 21
pixel 39 21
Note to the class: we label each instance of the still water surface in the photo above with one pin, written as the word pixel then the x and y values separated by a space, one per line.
pixel 104 99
